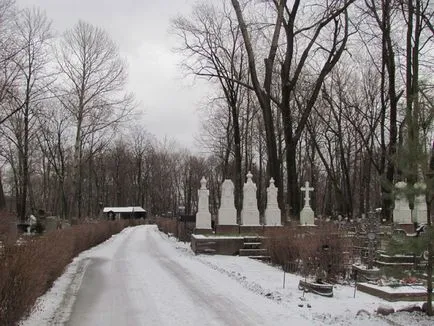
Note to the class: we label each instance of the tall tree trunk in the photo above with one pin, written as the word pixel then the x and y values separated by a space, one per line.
pixel 292 181
pixel 2 194
pixel 263 93
pixel 77 171
pixel 238 159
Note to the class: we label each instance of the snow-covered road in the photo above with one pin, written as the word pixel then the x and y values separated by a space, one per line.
pixel 143 277
pixel 147 282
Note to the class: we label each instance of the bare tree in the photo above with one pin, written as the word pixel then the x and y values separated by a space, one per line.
pixel 211 42
pixel 54 138
pixel 304 41
pixel 33 79
pixel 9 50
pixel 92 90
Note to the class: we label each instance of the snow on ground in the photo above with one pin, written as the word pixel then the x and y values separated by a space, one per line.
pixel 163 282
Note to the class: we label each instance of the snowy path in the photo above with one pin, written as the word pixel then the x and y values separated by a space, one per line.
pixel 143 277
pixel 147 282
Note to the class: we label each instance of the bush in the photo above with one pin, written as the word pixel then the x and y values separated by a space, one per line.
pixel 28 268
pixel 312 252
pixel 8 228
pixel 167 225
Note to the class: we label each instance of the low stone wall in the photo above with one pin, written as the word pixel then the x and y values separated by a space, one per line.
pixel 219 245
pixel 227 229
pixel 244 230
pixel 406 293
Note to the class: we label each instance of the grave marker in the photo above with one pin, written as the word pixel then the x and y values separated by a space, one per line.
pixel 203 216
pixel 250 212
pixel 227 214
pixel 272 212
pixel 307 215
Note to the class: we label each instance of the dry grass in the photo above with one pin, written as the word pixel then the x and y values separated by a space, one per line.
pixel 316 251
pixel 28 268
pixel 167 225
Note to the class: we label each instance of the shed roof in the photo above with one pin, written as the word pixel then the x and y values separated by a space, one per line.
pixel 129 209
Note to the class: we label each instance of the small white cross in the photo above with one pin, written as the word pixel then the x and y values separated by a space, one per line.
pixel 306 190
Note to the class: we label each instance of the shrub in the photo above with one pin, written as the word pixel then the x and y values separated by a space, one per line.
pixel 28 268
pixel 167 225
pixel 8 229
pixel 312 252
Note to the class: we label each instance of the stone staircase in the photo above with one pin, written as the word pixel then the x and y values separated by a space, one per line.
pixel 253 248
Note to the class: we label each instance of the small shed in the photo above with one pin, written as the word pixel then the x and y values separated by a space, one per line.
pixel 130 212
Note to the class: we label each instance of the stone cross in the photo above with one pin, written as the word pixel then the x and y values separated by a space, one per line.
pixel 306 190
pixel 307 215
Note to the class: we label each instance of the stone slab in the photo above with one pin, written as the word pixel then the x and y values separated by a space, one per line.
pixel 407 293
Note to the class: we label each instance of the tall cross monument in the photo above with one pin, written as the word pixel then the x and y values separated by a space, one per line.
pixel 307 216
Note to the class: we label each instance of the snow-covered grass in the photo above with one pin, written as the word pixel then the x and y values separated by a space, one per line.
pixel 259 279
pixel 346 307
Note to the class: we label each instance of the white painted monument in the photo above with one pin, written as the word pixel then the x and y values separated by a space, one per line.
pixel 272 212
pixel 401 212
pixel 307 216
pixel 227 213
pixel 250 212
pixel 420 208
pixel 203 216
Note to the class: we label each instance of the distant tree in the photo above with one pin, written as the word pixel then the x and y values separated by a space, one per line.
pixel 26 97
pixel 92 89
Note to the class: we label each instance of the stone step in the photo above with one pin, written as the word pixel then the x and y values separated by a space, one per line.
pixel 252 238
pixel 210 243
pixel 252 252
pixel 252 245
pixel 206 251
pixel 261 258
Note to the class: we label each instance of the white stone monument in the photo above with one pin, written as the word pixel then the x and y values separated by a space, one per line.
pixel 307 216
pixel 401 212
pixel 203 216
pixel 227 214
pixel 272 212
pixel 420 208
pixel 250 212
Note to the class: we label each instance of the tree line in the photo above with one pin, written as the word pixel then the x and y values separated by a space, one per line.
pixel 338 93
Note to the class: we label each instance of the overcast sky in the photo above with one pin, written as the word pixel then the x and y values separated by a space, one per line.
pixel 141 29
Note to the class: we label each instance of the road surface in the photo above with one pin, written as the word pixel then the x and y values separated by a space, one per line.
pixel 145 280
